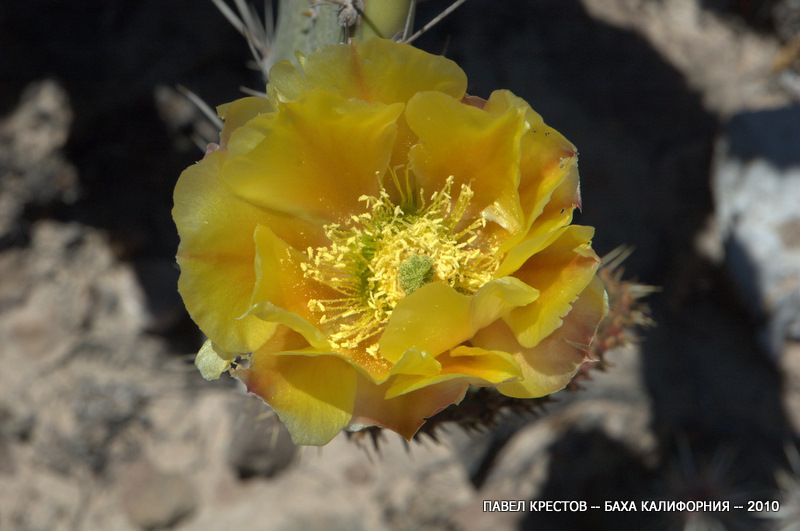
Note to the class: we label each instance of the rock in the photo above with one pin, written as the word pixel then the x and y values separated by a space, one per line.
pixel 16 422
pixel 15 427
pixel 788 480
pixel 32 169
pixel 103 410
pixel 72 321
pixel 611 412
pixel 41 502
pixel 259 444
pixel 87 434
pixel 426 499
pixel 154 499
pixel 712 53
pixel 324 522
pixel 65 292
pixel 790 368
pixel 476 450
pixel 756 186
pixel 786 17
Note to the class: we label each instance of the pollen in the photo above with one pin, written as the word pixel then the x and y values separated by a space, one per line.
pixel 376 258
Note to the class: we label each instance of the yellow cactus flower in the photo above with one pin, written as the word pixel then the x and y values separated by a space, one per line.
pixel 373 241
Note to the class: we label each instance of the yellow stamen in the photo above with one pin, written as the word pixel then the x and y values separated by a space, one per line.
pixel 389 251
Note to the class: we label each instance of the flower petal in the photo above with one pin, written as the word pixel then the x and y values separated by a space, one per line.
pixel 548 161
pixel 407 413
pixel 551 365
pixel 548 227
pixel 476 366
pixel 279 276
pixel 216 256
pixel 436 318
pixel 211 361
pixel 418 363
pixel 491 366
pixel 312 395
pixel 537 240
pixel 477 148
pixel 238 112
pixel 560 273
pixel 314 158
pixel 266 311
pixel 374 70
pixel 498 297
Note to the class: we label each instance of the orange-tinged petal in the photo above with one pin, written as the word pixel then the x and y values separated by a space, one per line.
pixel 529 246
pixel 279 276
pixel 560 273
pixel 547 228
pixel 418 363
pixel 314 158
pixel 549 224
pixel 490 366
pixel 284 340
pixel 476 366
pixel 312 395
pixel 551 365
pixel 374 70
pixel 407 413
pixel 477 148
pixel 280 296
pixel 548 161
pixel 238 112
pixel 498 297
pixel 436 318
pixel 281 291
pixel 266 311
pixel 216 256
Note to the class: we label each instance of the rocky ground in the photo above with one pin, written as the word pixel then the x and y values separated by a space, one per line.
pixel 685 112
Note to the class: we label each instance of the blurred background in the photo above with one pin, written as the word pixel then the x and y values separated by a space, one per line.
pixel 687 117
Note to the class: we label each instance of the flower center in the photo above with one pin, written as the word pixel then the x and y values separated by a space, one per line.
pixel 415 271
pixel 388 252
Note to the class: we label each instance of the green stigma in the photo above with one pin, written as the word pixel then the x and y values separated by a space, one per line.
pixel 414 272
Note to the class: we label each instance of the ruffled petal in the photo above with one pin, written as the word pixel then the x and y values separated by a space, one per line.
pixel 546 228
pixel 216 256
pixel 560 273
pixel 473 146
pixel 314 158
pixel 375 70
pixel 268 312
pixel 211 361
pixel 407 413
pixel 548 161
pixel 529 246
pixel 551 365
pixel 238 112
pixel 436 318
pixel 417 363
pixel 312 395
pixel 475 366
pixel 279 276
pixel 281 294
pixel 484 366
